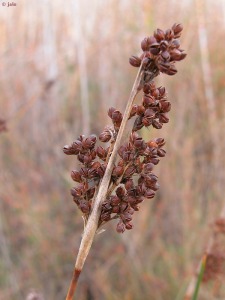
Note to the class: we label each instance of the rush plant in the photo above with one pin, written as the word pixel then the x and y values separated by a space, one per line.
pixel 114 178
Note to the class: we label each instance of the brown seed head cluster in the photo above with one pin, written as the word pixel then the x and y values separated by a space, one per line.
pixel 161 50
pixel 132 179
pixel 215 265
pixel 215 260
pixel 154 108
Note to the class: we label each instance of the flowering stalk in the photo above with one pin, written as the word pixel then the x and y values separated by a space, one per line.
pixel 107 187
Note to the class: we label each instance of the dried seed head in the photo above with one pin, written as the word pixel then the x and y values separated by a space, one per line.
pixel 129 225
pixel 146 88
pixel 169 34
pixel 175 44
pixel 135 61
pixel 116 209
pixel 120 227
pixel 77 145
pixel 183 55
pixel 75 175
pixel 90 193
pixel 106 135
pixel 120 192
pixel 77 192
pixel 155 49
pixel 105 217
pixel 115 200
pixel 215 262
pixel 129 184
pixel 101 171
pixel 118 171
pixel 129 172
pixel 159 35
pixel 165 106
pixel 148 168
pixel 165 55
pixel 151 40
pixel 140 110
pixel 160 142
pixel 133 110
pixel 117 117
pixel 161 152
pixel 163 118
pixel 137 157
pixel 126 217
pixel 84 206
pixel 149 194
pixel 156 124
pixel 111 111
pixel 145 44
pixel 177 28
pixel 175 54
pixel 89 142
pixel 69 150
pixel 101 152
pixel 148 101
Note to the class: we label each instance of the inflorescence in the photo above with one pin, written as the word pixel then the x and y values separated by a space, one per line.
pixel 132 179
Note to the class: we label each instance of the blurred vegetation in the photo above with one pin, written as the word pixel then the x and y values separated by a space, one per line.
pixel 63 64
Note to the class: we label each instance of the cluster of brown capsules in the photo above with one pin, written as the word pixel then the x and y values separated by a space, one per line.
pixel 132 179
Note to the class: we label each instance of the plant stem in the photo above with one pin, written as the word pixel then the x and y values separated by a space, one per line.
pixel 73 285
pixel 92 224
pixel 193 283
pixel 200 276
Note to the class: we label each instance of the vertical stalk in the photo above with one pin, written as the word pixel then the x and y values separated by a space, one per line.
pixel 191 287
pixel 92 224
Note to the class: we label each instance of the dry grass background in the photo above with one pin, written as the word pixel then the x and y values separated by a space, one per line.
pixel 63 63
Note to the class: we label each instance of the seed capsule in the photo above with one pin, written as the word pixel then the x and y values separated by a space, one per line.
pixel 135 61
pixel 75 175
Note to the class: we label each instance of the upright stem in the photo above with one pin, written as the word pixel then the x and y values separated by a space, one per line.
pixel 191 287
pixel 92 224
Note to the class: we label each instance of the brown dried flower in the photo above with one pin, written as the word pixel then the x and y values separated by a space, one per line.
pixel 137 157
pixel 161 50
pixel 215 265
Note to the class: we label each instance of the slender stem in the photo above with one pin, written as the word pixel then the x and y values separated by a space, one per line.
pixel 73 284
pixel 191 287
pixel 200 277
pixel 92 224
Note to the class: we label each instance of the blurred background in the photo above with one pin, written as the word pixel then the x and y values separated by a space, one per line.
pixel 63 64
